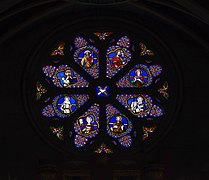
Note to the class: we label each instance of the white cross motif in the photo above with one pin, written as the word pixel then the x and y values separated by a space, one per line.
pixel 102 91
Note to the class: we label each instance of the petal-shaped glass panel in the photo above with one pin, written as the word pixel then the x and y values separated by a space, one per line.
pixel 140 105
pixel 65 77
pixel 87 57
pixel 140 76
pixel 64 105
pixel 118 126
pixel 87 126
pixel 118 56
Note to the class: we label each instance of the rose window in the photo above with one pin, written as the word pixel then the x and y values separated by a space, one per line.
pixel 100 92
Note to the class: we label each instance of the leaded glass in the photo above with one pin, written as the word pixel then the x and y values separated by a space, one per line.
pixel 102 91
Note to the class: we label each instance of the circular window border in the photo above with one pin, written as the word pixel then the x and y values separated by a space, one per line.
pixel 154 36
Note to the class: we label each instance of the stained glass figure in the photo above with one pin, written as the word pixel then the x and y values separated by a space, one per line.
pixel 58 132
pixel 147 131
pixel 118 126
pixel 102 91
pixel 145 51
pixel 87 57
pixel 118 56
pixel 103 149
pixel 87 126
pixel 64 105
pixel 102 36
pixel 65 77
pixel 40 90
pixel 140 105
pixel 59 50
pixel 164 90
pixel 140 76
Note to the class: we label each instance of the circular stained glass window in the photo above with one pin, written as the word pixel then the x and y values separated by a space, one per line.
pixel 92 89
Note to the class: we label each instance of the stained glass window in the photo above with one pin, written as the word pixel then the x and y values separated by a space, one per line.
pixel 101 91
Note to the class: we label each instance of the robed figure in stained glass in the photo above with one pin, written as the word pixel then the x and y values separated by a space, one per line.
pixel 139 78
pixel 87 124
pixel 118 126
pixel 137 105
pixel 66 106
pixel 87 59
pixel 68 79
pixel 117 60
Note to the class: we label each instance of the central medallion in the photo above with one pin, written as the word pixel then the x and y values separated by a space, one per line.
pixel 102 91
